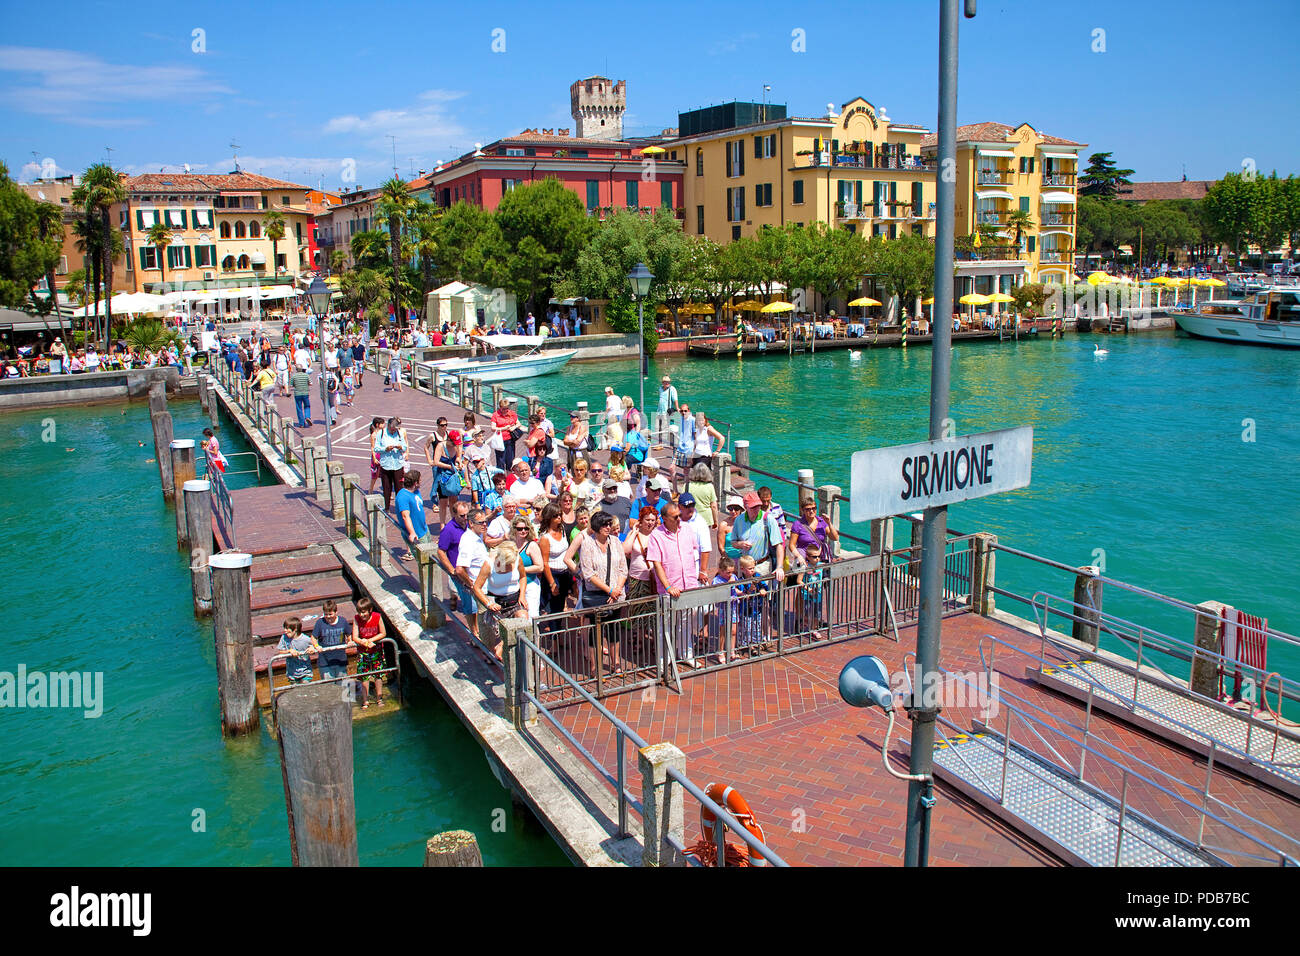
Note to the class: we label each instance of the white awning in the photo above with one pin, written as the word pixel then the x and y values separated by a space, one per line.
pixel 258 258
pixel 1004 153
pixel 992 194
pixel 1054 232
pixel 1058 196
pixel 174 217
pixel 1060 155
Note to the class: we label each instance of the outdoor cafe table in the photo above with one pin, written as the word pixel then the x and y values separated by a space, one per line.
pixel 857 329
pixel 825 330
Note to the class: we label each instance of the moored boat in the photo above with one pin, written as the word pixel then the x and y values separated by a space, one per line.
pixel 1269 317
pixel 502 364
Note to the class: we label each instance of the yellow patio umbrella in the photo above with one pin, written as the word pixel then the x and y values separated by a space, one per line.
pixel 1098 278
pixel 1181 283
pixel 1215 283
pixel 864 301
pixel 777 307
pixel 749 305
pixel 974 298
pixel 1001 297
pixel 653 151
pixel 663 310
pixel 929 301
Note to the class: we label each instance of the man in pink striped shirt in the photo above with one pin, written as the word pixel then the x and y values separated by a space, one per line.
pixel 673 553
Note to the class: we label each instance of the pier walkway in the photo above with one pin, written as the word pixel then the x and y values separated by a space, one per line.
pixel 773 726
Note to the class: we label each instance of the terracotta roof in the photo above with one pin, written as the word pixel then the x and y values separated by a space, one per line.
pixel 994 133
pixel 1178 189
pixel 205 182
pixel 537 136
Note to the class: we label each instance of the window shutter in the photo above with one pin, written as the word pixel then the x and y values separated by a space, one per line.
pixel 857 192
pixel 893 190
pixel 139 219
pixel 916 199
pixel 1031 164
pixel 666 194
pixel 740 157
pixel 189 261
pixel 1031 244
pixel 741 198
pixel 1024 204
pixel 758 147
pixel 729 206
pixel 143 250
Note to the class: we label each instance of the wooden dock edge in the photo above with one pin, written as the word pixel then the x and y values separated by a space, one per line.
pixel 268 454
pixel 544 773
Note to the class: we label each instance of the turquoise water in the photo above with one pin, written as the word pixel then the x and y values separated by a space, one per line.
pixel 93 582
pixel 1139 457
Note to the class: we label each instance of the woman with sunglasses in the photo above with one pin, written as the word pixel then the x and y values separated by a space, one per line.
pixel 725 523
pixel 557 579
pixel 638 571
pixel 812 530
pixel 524 538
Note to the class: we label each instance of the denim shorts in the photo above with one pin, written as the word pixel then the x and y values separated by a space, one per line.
pixel 332 670
pixel 467 603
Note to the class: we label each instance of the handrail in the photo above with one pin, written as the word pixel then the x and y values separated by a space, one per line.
pixel 359 676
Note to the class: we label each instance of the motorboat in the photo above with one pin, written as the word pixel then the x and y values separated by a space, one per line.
pixel 506 357
pixel 1268 317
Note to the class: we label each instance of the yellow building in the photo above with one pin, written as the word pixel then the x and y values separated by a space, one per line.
pixel 748 165
pixel 1001 169
pixel 218 230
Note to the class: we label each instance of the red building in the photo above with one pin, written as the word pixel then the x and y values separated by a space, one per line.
pixel 604 174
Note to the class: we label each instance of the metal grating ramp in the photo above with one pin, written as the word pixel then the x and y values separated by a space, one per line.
pixel 1158 704
pixel 1055 807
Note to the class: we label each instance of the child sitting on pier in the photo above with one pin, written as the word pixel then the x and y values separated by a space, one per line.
pixel 298 667
pixel 747 625
pixel 367 633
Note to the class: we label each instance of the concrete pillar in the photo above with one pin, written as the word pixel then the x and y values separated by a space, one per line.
pixel 201 381
pixel 662 802
pixel 320 469
pixel 534 403
pixel 982 568
pixel 433 381
pixel 453 849
pixel 376 529
pixel 519 711
pixel 741 446
pixel 431 612
pixel 182 455
pixel 309 463
pixel 351 486
pixel 476 395
pixel 828 503
pixel 198 529
pixel 1208 637
pixel 334 470
pixel 315 724
pixel 162 450
pixel 286 441
pixel 882 535
pixel 1087 598
pixel 462 391
pixel 233 633
pixel 274 427
pixel 213 404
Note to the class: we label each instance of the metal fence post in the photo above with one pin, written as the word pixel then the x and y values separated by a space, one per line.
pixel 662 810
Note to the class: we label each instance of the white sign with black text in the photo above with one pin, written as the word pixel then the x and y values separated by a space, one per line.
pixel 929 474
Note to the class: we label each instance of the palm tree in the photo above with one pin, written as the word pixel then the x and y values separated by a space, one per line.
pixel 273 229
pixel 88 242
pixel 1021 221
pixel 160 238
pixel 424 219
pixel 394 204
pixel 100 189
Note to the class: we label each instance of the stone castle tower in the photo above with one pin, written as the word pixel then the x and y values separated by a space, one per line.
pixel 597 105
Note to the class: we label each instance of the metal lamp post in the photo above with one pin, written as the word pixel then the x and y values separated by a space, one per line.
pixel 640 278
pixel 318 299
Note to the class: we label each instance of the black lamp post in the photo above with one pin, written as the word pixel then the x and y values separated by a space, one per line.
pixel 318 299
pixel 640 278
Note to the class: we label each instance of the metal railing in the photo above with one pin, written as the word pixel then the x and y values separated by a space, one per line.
pixel 1131 768
pixel 255 470
pixel 902 577
pixel 1058 179
pixel 359 677
pixel 223 508
pixel 607 649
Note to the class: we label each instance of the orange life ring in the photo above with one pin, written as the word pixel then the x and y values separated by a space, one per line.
pixel 726 796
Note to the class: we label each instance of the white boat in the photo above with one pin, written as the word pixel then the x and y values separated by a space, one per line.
pixel 1269 317
pixel 508 357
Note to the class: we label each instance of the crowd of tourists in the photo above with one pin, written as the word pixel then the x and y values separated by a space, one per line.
pixel 59 359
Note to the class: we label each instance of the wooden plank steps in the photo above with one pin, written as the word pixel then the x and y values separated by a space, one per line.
pixel 291 595
pixel 298 566
pixel 268 627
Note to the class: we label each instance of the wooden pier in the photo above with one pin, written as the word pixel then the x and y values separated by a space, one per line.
pixel 772 726
pixel 725 346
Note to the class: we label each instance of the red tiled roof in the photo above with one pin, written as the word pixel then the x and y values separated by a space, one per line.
pixel 205 182
pixel 994 133
pixel 1178 189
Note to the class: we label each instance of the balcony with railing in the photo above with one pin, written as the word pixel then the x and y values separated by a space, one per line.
pixel 1058 179
pixel 850 160
pixel 993 177
pixel 1056 255
pixel 849 210
pixel 991 218
pixel 1056 218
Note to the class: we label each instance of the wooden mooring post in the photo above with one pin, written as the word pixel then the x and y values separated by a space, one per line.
pixel 454 848
pixel 182 454
pixel 1087 609
pixel 315 728
pixel 198 525
pixel 233 633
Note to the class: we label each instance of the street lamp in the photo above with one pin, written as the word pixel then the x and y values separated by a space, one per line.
pixel 318 299
pixel 640 278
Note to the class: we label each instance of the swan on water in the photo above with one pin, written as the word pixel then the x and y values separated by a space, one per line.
pixel 1098 350
pixel 854 355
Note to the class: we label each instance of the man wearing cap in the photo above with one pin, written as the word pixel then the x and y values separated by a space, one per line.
pixel 667 404
pixel 673 554
pixel 650 470
pixel 654 496
pixel 703 533
pixel 755 533
pixel 615 505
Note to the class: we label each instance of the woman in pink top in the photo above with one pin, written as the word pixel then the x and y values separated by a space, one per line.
pixel 639 584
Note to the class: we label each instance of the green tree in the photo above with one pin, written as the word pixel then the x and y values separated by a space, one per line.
pixel 1101 178
pixel 543 227
pixel 1228 210
pixel 1106 226
pixel 1022 221
pixel 100 189
pixel 466 236
pixel 837 260
pixel 160 238
pixel 395 202
pixel 273 229
pixel 29 246
pixel 903 267
pixel 1029 297
pixel 423 230
pixel 370 250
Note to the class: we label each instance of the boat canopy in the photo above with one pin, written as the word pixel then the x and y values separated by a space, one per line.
pixel 507 341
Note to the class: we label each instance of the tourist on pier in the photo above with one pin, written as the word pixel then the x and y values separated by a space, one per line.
pixel 614 504
pixel 302 358
pixel 394 372
pixel 482 488
pixel 449 475
pixel 330 632
pixel 579 485
pixel 613 406
pixel 631 417
pixel 449 543
pixel 649 472
pixel 756 535
pixel 770 507
pixel 603 569
pixel 568 515
pixel 410 512
pixel 212 448
pixel 500 525
pixel 500 584
pixel 639 583
pixel 524 537
pixel 332 389
pixel 575 440
pixel 638 447
pixel 667 401
pixel 692 519
pixel 618 471
pixel 505 420
pixel 282 372
pixel 702 452
pixel 471 554
pixel 390 447
pixel 264 381
pixel 747 626
pixel 359 359
pixel 811 584
pixel 521 483
pixel 297 667
pixel 539 446
pixel 700 487
pixel 300 381
pixel 368 634
pixel 685 449
pixel 656 496
pixel 58 356
pixel 721 617
pixel 557 580
pixel 673 554
pixel 813 531
pixel 376 424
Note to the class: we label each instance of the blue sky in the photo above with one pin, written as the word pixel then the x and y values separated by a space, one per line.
pixel 305 88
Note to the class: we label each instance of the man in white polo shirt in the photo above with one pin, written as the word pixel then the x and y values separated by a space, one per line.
pixel 469 560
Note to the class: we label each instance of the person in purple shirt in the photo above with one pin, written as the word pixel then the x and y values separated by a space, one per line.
pixel 449 548
pixel 812 530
